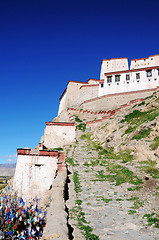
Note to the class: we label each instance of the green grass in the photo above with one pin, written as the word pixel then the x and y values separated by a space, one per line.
pixel 77 118
pixel 106 200
pixel 117 174
pixel 132 199
pixel 142 134
pixel 70 161
pixel 137 188
pixel 86 136
pixel 76 182
pixel 142 103
pixel 138 203
pixel 130 129
pixel 152 219
pixel 137 117
pixel 78 202
pixel 131 211
pixel 155 143
pixel 86 164
pixel 149 168
pixel 82 127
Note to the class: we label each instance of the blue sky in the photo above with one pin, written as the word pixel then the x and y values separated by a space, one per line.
pixel 44 44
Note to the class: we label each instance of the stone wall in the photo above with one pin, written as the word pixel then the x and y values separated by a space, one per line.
pixel 69 95
pixel 113 101
pixel 86 92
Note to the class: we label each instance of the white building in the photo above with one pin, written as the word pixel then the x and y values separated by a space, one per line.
pixel 115 76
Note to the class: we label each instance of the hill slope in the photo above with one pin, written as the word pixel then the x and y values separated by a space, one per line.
pixel 114 170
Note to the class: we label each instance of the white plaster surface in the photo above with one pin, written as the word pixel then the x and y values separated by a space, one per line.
pixel 134 84
pixel 58 136
pixel 34 175
pixel 113 65
pixel 145 62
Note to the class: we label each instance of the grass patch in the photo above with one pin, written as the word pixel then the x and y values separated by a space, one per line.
pixel 94 163
pixel 86 136
pixel 76 182
pixel 142 134
pixel 142 103
pixel 132 198
pixel 70 161
pixel 129 130
pixel 132 211
pixel 82 127
pixel 150 168
pixel 155 143
pixel 86 164
pixel 77 118
pixel 118 174
pixel 137 203
pixel 137 188
pixel 137 117
pixel 106 200
pixel 152 219
pixel 78 202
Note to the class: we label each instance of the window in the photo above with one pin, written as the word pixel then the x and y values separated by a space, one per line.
pixel 149 73
pixel 102 85
pixel 127 77
pixel 117 78
pixel 158 71
pixel 137 75
pixel 109 79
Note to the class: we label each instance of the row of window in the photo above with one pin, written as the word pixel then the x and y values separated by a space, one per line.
pixel 117 77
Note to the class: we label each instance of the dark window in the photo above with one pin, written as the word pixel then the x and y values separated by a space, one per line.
pixel 137 75
pixel 117 78
pixel 109 79
pixel 127 77
pixel 158 71
pixel 149 73
pixel 102 85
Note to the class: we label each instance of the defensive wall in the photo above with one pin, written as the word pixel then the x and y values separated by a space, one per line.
pixel 113 101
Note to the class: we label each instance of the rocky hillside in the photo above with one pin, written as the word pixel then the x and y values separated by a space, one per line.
pixel 114 175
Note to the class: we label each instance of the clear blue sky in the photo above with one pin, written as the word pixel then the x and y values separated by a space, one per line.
pixel 44 44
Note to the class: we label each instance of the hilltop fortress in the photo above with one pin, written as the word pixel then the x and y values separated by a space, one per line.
pixel 116 81
pixel 95 100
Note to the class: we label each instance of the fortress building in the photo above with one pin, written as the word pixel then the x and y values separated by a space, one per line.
pixel 116 79
pixel 93 101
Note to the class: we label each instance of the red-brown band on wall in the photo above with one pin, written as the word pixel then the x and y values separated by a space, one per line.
pixel 60 124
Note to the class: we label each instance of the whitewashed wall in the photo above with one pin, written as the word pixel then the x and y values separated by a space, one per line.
pixel 130 85
pixel 113 65
pixel 58 134
pixel 151 61
pixel 34 175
